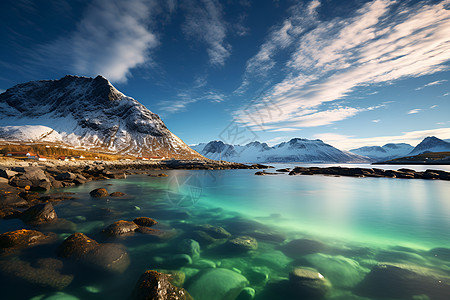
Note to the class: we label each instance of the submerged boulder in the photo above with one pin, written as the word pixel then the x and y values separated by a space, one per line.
pixel 99 193
pixel 44 273
pixel 117 194
pixel 120 227
pixel 189 246
pixel 109 257
pixel 153 285
pixel 308 283
pixel 39 214
pixel 300 247
pixel 217 284
pixel 390 280
pixel 242 244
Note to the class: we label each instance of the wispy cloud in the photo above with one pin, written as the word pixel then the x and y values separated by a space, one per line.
pixel 446 94
pixel 205 23
pixel 184 99
pixel 383 41
pixel 434 106
pixel 376 121
pixel 112 38
pixel 413 137
pixel 414 111
pixel 431 84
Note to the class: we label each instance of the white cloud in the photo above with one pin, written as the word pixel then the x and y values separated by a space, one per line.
pixel 431 84
pixel 204 22
pixel 413 137
pixel 376 121
pixel 111 39
pixel 414 111
pixel 446 94
pixel 186 98
pixel 380 43
pixel 434 106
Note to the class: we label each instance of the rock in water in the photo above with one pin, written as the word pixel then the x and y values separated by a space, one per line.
pixel 191 247
pixel 145 221
pixel 109 257
pixel 389 280
pixel 157 286
pixel 117 194
pixel 242 244
pixel 46 273
pixel 99 193
pixel 217 284
pixel 309 283
pixel 300 247
pixel 39 214
pixel 22 238
pixel 120 227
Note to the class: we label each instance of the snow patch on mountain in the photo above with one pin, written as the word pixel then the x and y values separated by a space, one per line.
pixel 91 113
pixel 431 144
pixel 295 150
pixel 29 133
pixel 386 152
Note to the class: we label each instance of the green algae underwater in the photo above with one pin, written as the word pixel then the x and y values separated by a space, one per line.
pixel 228 234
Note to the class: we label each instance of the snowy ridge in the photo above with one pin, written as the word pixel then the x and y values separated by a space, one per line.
pixel 295 150
pixel 90 113
pixel 386 152
pixel 431 144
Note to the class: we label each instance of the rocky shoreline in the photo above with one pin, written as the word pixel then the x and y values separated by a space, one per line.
pixel 364 172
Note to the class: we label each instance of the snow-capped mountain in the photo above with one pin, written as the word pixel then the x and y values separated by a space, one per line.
pixel 386 152
pixel 431 144
pixel 86 112
pixel 295 150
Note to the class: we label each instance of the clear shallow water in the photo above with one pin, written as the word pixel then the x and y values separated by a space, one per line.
pixel 365 221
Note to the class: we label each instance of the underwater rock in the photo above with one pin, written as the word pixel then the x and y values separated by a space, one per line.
pixel 99 193
pixel 157 234
pixel 247 293
pixel 258 230
pixel 308 283
pixel 153 285
pixel 257 275
pixel 190 246
pixel 117 194
pixel 217 284
pixel 390 280
pixel 177 261
pixel 109 257
pixel 120 227
pixel 177 278
pixel 300 247
pixel 214 231
pixel 242 244
pixel 39 214
pixel 204 264
pixel 340 270
pixel 23 238
pixel 145 221
pixel 46 273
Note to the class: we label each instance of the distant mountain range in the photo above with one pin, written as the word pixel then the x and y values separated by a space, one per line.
pixel 89 113
pixel 392 151
pixel 295 150
pixel 304 150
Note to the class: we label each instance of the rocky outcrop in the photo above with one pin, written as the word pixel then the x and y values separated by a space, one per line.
pixel 108 257
pixel 153 285
pixel 372 172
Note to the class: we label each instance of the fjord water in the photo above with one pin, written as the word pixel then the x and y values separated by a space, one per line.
pixel 369 220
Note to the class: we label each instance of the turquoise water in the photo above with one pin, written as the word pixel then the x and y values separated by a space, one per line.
pixel 362 220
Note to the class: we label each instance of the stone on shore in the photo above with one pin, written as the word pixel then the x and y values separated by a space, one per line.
pixel 308 283
pixel 99 193
pixel 217 284
pixel 109 257
pixel 153 285
pixel 39 214
pixel 34 177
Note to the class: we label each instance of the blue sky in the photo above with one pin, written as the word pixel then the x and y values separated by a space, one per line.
pixel 352 73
